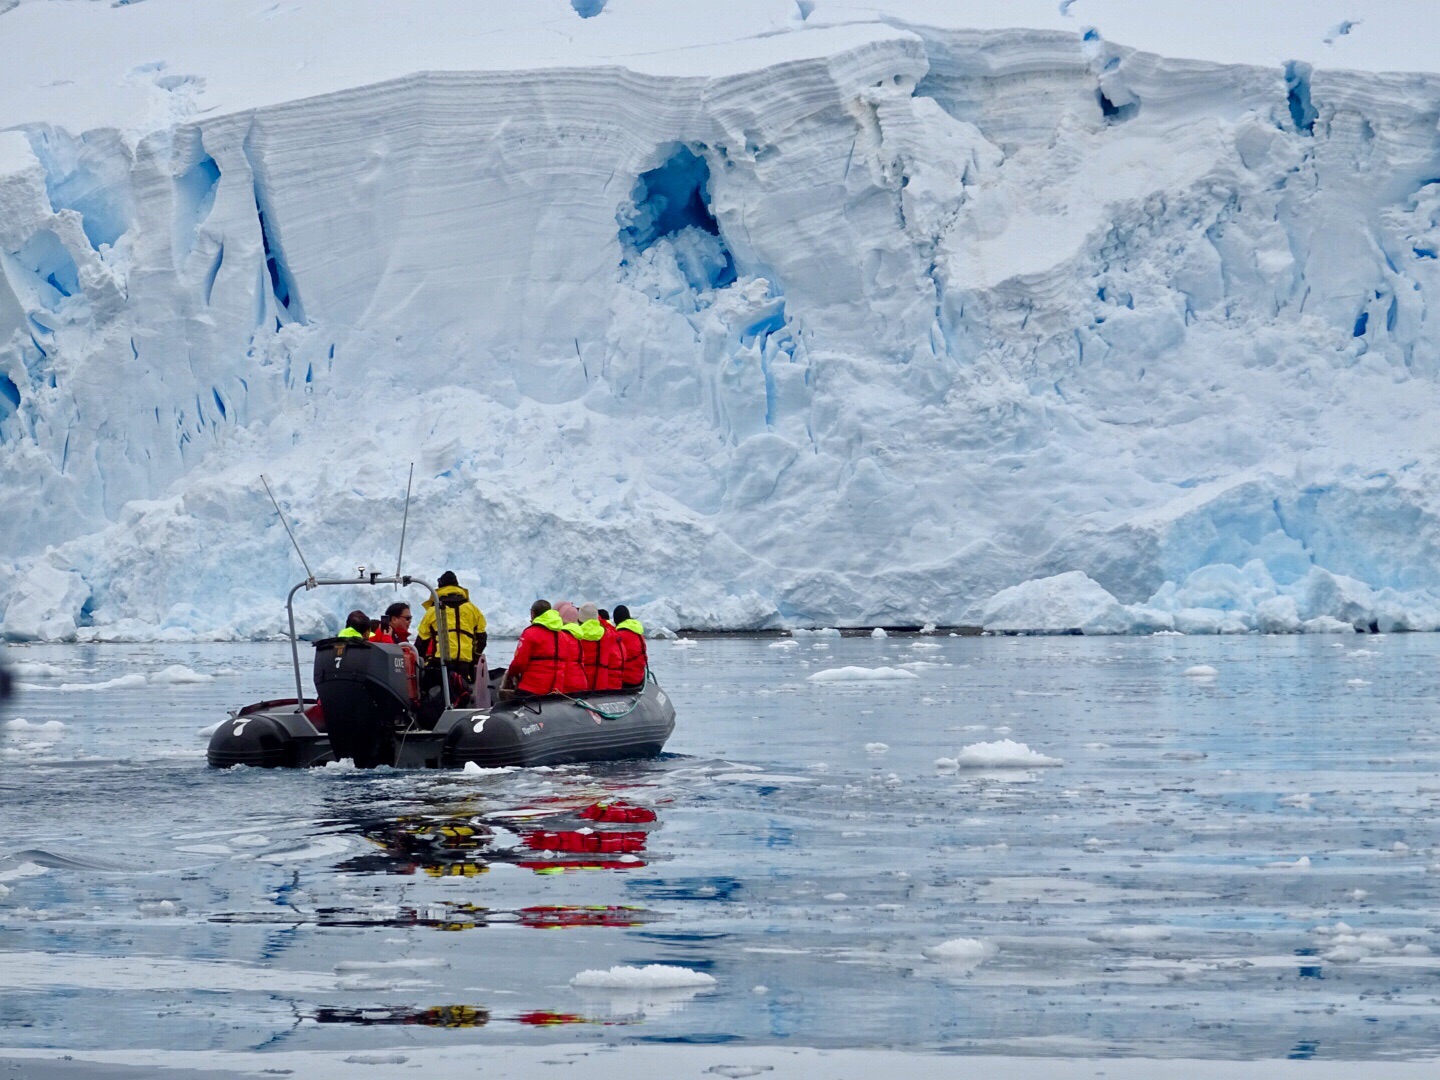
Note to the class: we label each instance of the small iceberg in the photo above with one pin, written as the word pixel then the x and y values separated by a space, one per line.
pixel 862 674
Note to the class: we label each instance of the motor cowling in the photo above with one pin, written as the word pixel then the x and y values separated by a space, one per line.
pixel 365 691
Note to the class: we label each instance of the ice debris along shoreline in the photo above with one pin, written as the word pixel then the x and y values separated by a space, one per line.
pixel 976 302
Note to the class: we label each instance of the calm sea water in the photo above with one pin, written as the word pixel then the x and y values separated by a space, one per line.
pixel 1244 865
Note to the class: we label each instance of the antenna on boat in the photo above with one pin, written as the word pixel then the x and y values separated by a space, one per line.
pixel 400 559
pixel 309 575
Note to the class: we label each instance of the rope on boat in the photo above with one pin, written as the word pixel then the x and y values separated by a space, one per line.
pixel 610 715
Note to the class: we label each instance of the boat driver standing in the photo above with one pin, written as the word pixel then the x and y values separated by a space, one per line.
pixel 464 624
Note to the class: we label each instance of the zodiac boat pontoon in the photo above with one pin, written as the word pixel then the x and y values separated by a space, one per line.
pixel 370 708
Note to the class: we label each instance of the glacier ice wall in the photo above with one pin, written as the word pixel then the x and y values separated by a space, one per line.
pixel 864 320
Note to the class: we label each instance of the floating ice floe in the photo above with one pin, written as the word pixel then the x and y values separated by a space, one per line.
pixel 160 909
pixel 475 769
pixel 1200 671
pixel 34 669
pixel 788 643
pixel 1004 754
pixel 179 675
pixel 649 977
pixel 959 952
pixel 684 643
pixel 879 632
pixel 861 674
pixel 876 747
pixel 21 724
pixel 1302 863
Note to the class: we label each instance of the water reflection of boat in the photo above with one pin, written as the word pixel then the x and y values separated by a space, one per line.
pixel 436 1016
pixel 444 1016
pixel 464 842
pixel 609 835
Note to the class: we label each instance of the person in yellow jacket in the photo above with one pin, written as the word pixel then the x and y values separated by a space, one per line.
pixel 464 625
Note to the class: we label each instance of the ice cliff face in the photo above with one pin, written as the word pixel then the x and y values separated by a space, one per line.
pixel 803 313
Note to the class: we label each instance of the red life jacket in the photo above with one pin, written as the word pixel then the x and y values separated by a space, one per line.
pixel 547 659
pixel 602 658
pixel 636 660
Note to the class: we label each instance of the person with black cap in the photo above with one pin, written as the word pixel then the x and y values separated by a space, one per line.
pixel 636 660
pixel 464 626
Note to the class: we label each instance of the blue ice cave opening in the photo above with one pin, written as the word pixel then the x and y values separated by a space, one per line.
pixel 83 175
pixel 1113 113
pixel 55 276
pixel 588 9
pixel 673 201
pixel 197 188
pixel 1297 95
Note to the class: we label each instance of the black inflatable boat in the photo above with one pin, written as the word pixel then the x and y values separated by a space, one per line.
pixel 375 707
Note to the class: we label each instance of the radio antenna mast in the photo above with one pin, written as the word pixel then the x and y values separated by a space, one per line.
pixel 309 575
pixel 404 522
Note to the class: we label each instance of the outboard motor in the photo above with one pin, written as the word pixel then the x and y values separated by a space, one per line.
pixel 368 692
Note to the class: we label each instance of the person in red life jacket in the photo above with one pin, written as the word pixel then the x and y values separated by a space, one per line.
pixel 575 680
pixel 600 655
pixel 632 640
pixel 394 625
pixel 547 659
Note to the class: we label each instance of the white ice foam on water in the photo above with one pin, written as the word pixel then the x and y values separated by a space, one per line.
pixel 322 847
pixel 21 724
pixel 861 674
pixel 22 870
pixel 1301 801
pixel 122 682
pixel 761 778
pixel 179 674
pixel 1132 935
pixel 1004 754
pixel 34 669
pixel 649 977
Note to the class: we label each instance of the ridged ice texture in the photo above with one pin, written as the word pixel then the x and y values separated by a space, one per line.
pixel 802 314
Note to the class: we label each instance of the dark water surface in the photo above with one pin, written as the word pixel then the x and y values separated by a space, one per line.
pixel 1245 865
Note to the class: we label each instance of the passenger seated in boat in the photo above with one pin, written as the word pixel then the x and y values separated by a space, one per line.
pixel 601 657
pixel 547 659
pixel 357 625
pixel 632 640
pixel 394 625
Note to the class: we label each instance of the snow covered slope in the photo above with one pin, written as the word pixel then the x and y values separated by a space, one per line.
pixel 761 313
